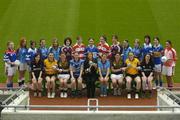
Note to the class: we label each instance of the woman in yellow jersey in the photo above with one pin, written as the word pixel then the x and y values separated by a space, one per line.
pixel 132 73
pixel 50 65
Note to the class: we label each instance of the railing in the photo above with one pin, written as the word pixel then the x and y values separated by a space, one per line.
pixel 174 97
pixel 15 94
pixel 88 107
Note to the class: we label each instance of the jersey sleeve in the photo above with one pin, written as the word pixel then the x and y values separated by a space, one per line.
pixel 6 57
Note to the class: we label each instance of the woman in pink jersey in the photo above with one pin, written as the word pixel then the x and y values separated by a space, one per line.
pixel 168 66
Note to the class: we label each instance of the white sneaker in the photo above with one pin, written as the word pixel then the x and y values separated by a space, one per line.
pixel 53 95
pixel 136 96
pixel 49 95
pixel 35 94
pixel 129 96
pixel 61 95
pixel 65 95
pixel 101 95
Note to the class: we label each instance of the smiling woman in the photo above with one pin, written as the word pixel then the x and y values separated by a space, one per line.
pixel 36 19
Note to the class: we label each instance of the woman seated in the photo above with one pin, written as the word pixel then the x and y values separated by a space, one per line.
pixel 36 71
pixel 90 74
pixel 50 66
pixel 117 74
pixel 76 70
pixel 132 74
pixel 63 74
pixel 147 73
pixel 104 70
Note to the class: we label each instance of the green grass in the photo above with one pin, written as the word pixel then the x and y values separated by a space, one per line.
pixel 129 19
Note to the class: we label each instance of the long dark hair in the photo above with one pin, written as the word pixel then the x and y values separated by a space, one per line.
pixel 144 59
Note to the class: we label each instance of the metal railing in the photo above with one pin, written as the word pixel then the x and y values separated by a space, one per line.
pixel 170 94
pixel 15 107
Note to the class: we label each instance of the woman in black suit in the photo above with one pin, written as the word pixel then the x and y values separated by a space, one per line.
pixel 90 74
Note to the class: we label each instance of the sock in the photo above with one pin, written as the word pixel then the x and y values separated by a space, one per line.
pixel 9 85
pixel 161 83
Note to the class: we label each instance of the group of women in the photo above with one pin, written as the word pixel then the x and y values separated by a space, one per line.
pixel 80 65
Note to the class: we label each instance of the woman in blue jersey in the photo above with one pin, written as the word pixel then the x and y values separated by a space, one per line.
pixel 137 50
pixel 11 64
pixel 92 48
pixel 157 54
pixel 147 46
pixel 76 71
pixel 55 49
pixel 126 50
pixel 104 71
pixel 22 52
pixel 43 50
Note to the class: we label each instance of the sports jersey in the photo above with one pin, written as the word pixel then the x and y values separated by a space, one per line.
pixel 157 54
pixel 76 66
pixel 116 48
pixel 117 65
pixel 170 53
pixel 49 70
pixel 56 52
pixel 131 66
pixel 104 66
pixel 22 54
pixel 31 54
pixel 146 49
pixel 43 51
pixel 147 68
pixel 68 51
pixel 137 52
pixel 37 68
pixel 10 56
pixel 80 49
pixel 125 53
pixel 63 66
pixel 103 48
pixel 92 49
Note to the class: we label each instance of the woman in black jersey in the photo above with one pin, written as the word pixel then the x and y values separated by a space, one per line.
pixel 147 73
pixel 36 72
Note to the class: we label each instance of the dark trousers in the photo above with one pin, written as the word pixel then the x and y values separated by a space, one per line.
pixel 90 83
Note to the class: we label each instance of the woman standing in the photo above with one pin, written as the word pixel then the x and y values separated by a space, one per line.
pixel 104 71
pixel 80 47
pixel 115 47
pixel 169 65
pixel 11 64
pixel 67 49
pixel 147 66
pixel 63 74
pixel 137 50
pixel 103 46
pixel 92 48
pixel 36 72
pixel 43 50
pixel 157 54
pixel 55 49
pixel 22 52
pixel 126 50
pixel 90 74
pixel 50 67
